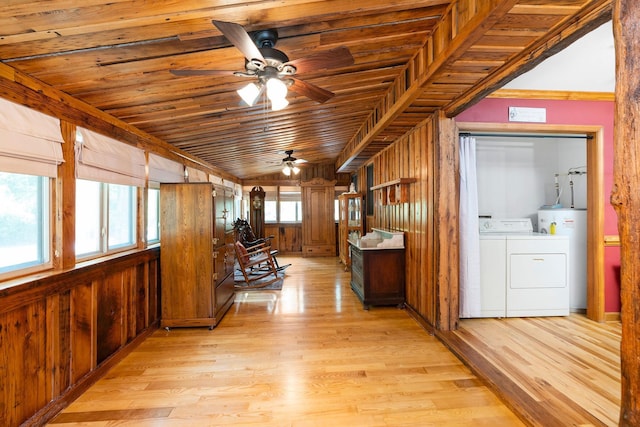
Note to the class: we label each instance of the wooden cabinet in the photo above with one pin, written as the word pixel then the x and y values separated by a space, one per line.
pixel 351 223
pixel 196 254
pixel 378 274
pixel 318 221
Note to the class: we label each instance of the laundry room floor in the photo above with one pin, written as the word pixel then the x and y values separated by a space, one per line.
pixel 554 371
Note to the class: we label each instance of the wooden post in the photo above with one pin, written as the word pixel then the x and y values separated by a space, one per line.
pixel 625 198
pixel 446 220
pixel 66 200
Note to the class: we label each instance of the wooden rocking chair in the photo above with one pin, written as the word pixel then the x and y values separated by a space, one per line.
pixel 245 235
pixel 249 258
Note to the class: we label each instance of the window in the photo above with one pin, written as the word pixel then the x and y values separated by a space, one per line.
pixel 24 221
pixel 105 218
pixel 290 204
pixel 270 204
pixel 282 204
pixel 369 190
pixel 153 215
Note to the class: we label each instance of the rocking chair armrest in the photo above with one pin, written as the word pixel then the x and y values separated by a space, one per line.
pixel 262 250
pixel 257 248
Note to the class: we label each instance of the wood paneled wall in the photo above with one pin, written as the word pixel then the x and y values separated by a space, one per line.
pixel 61 331
pixel 287 238
pixel 429 216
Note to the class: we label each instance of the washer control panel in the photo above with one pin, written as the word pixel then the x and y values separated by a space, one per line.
pixel 506 225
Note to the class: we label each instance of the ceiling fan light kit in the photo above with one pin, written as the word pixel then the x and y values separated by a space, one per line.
pixel 289 163
pixel 272 67
pixel 250 93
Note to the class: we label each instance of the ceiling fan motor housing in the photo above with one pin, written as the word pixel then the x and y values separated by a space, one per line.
pixel 265 38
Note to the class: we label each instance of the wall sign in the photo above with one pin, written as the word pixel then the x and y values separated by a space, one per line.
pixel 527 114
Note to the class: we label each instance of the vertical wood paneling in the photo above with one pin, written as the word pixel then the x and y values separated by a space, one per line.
pixel 23 362
pixel 82 329
pixel 429 218
pixel 55 331
pixel 58 343
pixel 110 315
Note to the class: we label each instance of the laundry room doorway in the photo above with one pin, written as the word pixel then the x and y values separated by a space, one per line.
pixel 595 307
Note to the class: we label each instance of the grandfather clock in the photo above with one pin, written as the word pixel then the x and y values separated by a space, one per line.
pixel 256 209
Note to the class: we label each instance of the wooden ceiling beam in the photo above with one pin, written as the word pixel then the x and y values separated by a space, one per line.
pixel 457 31
pixel 595 14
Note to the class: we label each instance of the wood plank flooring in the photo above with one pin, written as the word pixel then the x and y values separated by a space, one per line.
pixel 307 355
pixel 554 371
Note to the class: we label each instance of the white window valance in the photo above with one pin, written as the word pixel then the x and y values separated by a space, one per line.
pixel 30 141
pixel 165 170
pixel 196 175
pixel 104 159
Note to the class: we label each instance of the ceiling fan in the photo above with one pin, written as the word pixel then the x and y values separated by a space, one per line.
pixel 272 68
pixel 290 164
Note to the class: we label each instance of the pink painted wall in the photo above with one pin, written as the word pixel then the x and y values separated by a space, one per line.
pixel 600 113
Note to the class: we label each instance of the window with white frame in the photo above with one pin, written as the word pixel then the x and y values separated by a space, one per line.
pixel 282 204
pixel 109 172
pixel 105 218
pixel 270 204
pixel 30 152
pixel 24 221
pixel 153 215
pixel 290 204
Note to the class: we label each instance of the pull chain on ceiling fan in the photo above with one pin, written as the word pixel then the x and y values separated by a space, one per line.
pixel 272 68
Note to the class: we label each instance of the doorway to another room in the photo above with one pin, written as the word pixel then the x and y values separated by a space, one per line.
pixel 517 175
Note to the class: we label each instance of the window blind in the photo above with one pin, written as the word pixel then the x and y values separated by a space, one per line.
pixel 165 170
pixel 196 175
pixel 30 141
pixel 104 159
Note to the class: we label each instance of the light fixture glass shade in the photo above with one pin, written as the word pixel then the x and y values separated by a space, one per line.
pixel 276 89
pixel 278 104
pixel 250 93
pixel 295 170
pixel 286 170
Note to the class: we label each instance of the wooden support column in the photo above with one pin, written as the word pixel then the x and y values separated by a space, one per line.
pixel 625 198
pixel 66 200
pixel 446 224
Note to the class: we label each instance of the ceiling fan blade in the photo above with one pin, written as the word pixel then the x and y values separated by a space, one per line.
pixel 201 72
pixel 333 58
pixel 310 90
pixel 237 35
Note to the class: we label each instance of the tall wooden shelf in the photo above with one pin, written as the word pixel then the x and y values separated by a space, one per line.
pixel 196 256
pixel 394 192
pixel 351 222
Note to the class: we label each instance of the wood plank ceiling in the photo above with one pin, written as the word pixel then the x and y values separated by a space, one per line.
pixel 411 58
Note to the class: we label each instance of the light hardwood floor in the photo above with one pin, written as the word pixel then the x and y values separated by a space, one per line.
pixel 554 371
pixel 307 355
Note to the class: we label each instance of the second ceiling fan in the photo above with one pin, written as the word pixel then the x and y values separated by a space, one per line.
pixel 272 68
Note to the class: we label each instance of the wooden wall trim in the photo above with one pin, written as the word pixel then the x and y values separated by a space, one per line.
pixel 552 94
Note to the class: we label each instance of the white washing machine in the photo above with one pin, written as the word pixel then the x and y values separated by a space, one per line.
pixel 522 273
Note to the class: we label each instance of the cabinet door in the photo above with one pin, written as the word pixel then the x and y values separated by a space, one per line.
pixel 186 253
pixel 318 225
pixel 220 214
